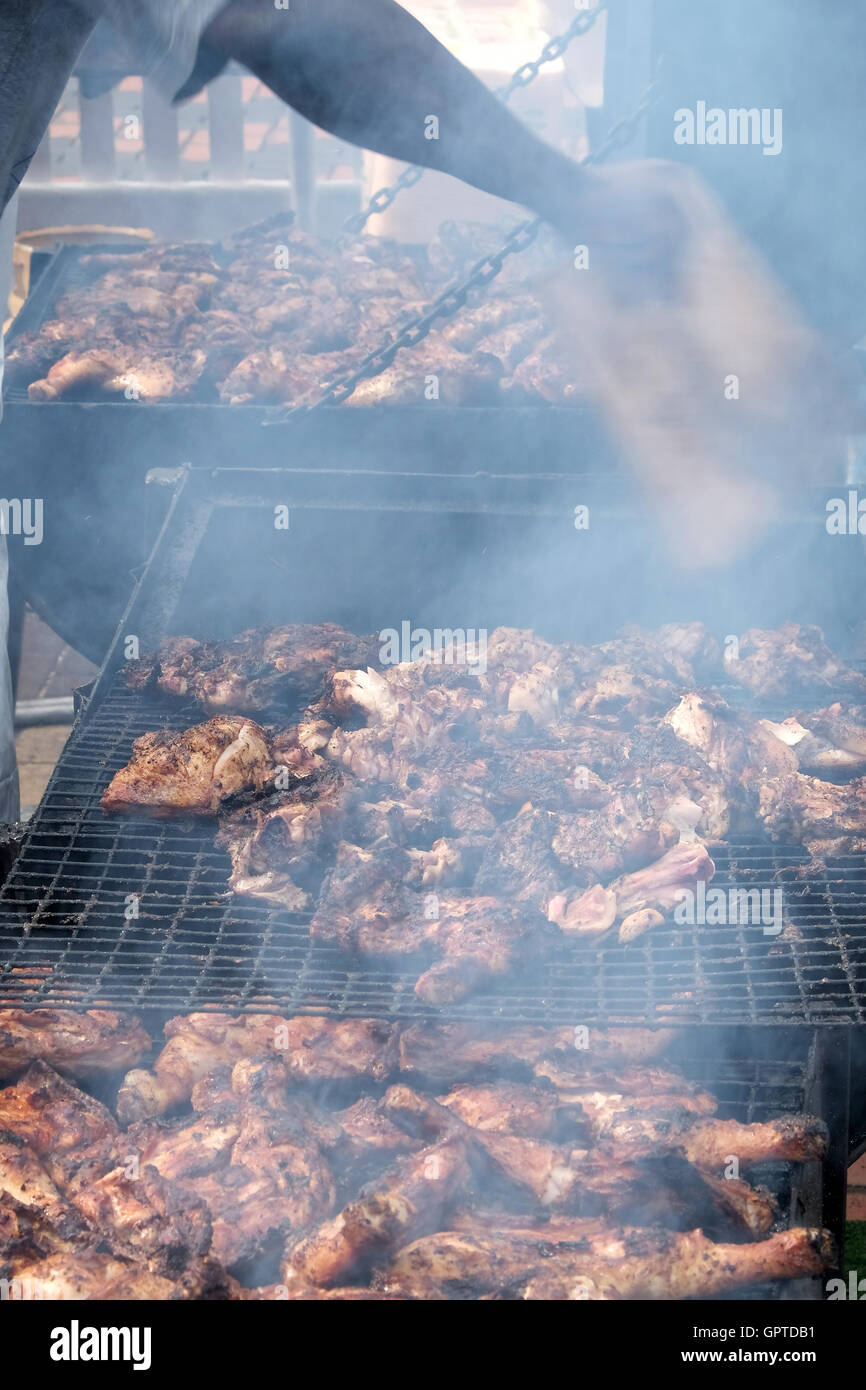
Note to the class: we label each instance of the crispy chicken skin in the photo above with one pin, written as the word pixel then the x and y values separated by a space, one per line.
pixel 827 819
pixel 411 1197
pixel 75 1044
pixel 517 1163
pixel 310 1048
pixel 256 671
pixel 70 1132
pixel 192 773
pixel 625 1264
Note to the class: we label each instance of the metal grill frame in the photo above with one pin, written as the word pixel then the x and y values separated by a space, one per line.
pixel 63 904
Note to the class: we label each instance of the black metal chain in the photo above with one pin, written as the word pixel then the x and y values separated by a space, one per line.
pixel 452 300
pixel 525 74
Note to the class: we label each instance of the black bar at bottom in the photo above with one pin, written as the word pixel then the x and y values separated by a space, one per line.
pixel 52 1338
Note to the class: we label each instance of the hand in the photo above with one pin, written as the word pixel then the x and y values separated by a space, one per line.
pixel 631 219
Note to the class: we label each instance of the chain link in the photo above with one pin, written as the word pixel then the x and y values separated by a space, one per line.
pixel 525 74
pixel 453 299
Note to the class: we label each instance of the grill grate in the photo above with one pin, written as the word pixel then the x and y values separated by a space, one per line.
pixel 68 935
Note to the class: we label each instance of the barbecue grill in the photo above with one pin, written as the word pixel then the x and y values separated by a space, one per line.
pixel 756 1076
pixel 136 912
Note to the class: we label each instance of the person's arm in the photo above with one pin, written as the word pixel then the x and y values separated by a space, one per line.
pixel 368 72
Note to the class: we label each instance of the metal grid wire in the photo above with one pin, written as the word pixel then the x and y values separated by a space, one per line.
pixel 69 936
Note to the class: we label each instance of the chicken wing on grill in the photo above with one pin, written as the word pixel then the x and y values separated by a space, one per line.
pixel 194 772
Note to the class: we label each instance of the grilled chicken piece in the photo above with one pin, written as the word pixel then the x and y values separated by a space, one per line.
pixel 544 376
pixel 92 1275
pixel 89 1044
pixel 810 752
pixel 556 779
pixel 70 1132
pixel 648 1086
pixel 328 1049
pixel 638 901
pixel 368 1133
pixel 507 1108
pixel 311 1049
pixel 658 1265
pixel 277 1182
pixel 738 747
pixel 627 832
pixel 462 381
pixel 827 819
pixel 844 729
pixel 197 1043
pixel 632 1131
pixel 194 772
pixel 255 671
pixel 447 1052
pixel 753 1208
pixel 77 371
pixel 791 657
pixel 512 344
pixel 518 864
pixel 182 1150
pixel 277 845
pixel 366 907
pixel 122 370
pixel 256 1160
pixel 145 1217
pixel 470 326
pixel 410 1198
pixel 24 1179
pixel 29 1231
pixel 626 1264
pixel 278 372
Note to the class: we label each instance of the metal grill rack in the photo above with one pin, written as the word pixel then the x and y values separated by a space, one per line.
pixel 68 936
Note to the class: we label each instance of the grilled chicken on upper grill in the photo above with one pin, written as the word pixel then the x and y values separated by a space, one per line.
pixel 825 818
pixel 75 1044
pixel 278 845
pixel 194 772
pixel 788 659
pixel 636 901
pixel 366 906
pixel 255 671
